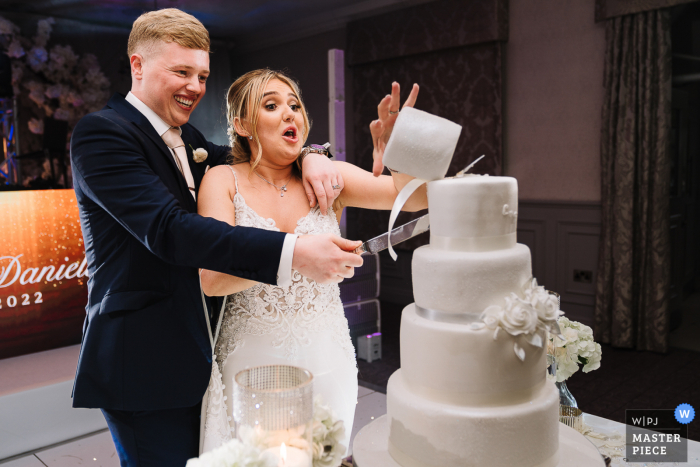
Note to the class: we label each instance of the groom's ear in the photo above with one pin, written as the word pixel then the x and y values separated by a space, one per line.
pixel 136 61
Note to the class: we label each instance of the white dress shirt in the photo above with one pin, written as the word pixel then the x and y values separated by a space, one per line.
pixel 284 272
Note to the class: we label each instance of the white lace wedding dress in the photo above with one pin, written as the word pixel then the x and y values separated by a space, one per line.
pixel 302 325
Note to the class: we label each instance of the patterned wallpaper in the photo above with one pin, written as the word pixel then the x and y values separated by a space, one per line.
pixel 461 83
pixel 427 27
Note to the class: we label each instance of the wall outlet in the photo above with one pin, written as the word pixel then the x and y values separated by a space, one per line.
pixel 585 277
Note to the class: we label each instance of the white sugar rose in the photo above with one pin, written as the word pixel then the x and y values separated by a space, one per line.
pixel 518 317
pixel 549 308
pixel 546 304
pixel 491 316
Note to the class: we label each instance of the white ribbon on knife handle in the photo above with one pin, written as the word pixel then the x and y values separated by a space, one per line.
pixel 401 199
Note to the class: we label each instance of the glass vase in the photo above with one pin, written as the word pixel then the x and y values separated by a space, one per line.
pixel 565 397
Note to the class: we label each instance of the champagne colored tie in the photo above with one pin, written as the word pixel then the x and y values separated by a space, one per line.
pixel 174 141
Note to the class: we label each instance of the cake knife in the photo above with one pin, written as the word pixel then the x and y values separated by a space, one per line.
pixel 398 235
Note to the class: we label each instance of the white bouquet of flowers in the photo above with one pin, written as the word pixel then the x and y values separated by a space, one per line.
pixel 573 348
pixel 328 431
pixel 251 449
pixel 235 454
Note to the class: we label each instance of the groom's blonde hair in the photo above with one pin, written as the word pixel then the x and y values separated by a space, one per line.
pixel 167 25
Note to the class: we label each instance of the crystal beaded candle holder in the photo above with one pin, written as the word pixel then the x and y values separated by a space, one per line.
pixel 273 409
pixel 571 416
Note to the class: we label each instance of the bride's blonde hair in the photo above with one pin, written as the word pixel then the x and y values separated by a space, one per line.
pixel 243 103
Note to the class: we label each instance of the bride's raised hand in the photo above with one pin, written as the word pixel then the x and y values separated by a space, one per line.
pixel 388 112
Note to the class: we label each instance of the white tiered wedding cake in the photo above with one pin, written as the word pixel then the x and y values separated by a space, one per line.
pixel 472 389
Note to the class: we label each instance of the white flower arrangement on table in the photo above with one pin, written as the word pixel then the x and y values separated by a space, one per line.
pixel 250 450
pixel 575 347
pixel 235 454
pixel 532 315
pixel 328 431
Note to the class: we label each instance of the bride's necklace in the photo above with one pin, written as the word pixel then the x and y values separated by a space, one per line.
pixel 282 189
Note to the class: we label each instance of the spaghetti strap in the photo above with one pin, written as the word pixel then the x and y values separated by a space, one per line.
pixel 235 178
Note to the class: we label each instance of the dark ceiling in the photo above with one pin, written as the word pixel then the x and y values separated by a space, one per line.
pixel 227 20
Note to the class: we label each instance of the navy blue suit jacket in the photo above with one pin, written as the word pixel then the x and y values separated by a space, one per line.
pixel 145 340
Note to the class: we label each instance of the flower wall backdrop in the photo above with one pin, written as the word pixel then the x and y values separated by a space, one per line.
pixel 50 80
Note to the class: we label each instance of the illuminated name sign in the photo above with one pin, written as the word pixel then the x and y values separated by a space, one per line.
pixel 43 272
pixel 35 276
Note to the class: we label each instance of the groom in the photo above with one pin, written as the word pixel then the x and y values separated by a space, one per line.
pixel 146 354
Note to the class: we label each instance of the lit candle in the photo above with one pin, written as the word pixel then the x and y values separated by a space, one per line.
pixel 290 456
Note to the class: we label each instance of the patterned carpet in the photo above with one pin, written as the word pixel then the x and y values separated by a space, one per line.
pixel 627 379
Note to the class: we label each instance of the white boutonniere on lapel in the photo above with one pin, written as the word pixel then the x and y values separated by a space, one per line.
pixel 199 154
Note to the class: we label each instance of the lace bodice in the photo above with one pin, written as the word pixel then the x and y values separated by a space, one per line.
pixel 291 314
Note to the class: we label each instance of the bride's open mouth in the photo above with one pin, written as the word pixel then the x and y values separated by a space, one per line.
pixel 290 134
pixel 184 102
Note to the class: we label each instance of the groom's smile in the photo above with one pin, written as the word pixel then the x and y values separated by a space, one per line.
pixel 172 80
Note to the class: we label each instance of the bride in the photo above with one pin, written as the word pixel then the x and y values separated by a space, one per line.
pixel 303 324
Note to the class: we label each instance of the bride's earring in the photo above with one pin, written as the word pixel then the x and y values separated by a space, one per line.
pixel 250 137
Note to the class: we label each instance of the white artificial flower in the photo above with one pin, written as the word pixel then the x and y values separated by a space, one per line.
pixel 575 349
pixel 327 433
pixel 200 155
pixel 491 316
pixel 96 78
pixel 63 55
pixel 43 31
pixel 518 317
pixel 8 27
pixel 36 126
pixel 571 335
pixel 37 58
pixel 61 64
pixel 234 453
pixel 62 114
pixel 15 49
pixel 594 359
pixel 53 91
pixel 74 99
pixel 36 92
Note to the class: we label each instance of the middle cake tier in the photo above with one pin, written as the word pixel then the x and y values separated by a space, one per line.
pixel 455 364
pixel 460 285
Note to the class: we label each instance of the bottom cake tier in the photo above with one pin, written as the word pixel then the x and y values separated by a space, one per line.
pixel 425 433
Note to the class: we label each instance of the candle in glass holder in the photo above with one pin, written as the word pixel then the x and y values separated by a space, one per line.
pixel 290 456
pixel 273 409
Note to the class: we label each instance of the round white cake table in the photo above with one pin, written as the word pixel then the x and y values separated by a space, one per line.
pixel 370 448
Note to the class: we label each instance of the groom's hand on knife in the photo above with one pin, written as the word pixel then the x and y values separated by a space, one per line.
pixel 326 258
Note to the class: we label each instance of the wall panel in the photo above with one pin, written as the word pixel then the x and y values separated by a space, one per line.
pixel 563 239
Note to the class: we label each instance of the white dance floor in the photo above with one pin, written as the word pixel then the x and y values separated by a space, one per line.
pixel 39 428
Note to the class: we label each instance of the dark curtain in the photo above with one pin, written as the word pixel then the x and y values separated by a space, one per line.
pixel 632 303
pixel 606 9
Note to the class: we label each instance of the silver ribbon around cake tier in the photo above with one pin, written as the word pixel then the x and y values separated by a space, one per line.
pixel 475 244
pixel 445 316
